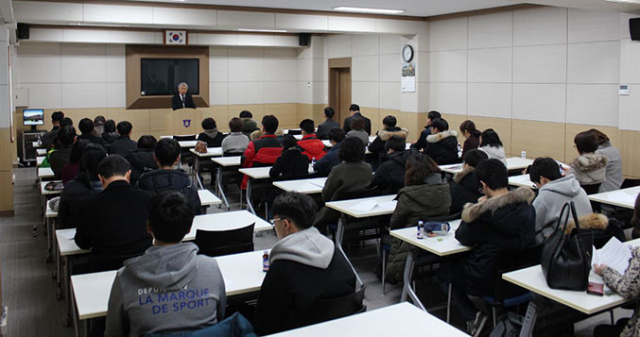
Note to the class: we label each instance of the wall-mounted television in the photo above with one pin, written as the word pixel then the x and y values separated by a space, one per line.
pixel 33 117
pixel 161 76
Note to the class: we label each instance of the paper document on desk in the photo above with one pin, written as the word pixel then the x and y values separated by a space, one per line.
pixel 388 205
pixel 364 206
pixel 614 254
pixel 317 183
pixel 69 235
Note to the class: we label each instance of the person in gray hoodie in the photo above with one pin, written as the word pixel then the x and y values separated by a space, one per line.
pixel 613 175
pixel 304 267
pixel 236 142
pixel 170 288
pixel 554 192
pixel 491 144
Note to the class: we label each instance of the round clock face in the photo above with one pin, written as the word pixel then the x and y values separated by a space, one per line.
pixel 407 53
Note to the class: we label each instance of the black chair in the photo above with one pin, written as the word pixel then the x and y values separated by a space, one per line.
pixel 591 189
pixel 218 243
pixel 185 155
pixel 333 308
pixel 627 183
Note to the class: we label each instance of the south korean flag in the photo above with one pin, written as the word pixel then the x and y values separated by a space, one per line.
pixel 175 37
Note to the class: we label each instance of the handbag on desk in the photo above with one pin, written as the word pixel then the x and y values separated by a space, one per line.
pixel 566 258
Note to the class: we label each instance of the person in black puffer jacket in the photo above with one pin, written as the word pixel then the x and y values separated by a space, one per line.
pixel 142 160
pixel 389 177
pixel 442 144
pixel 167 154
pixel 211 135
pixel 465 187
pixel 291 163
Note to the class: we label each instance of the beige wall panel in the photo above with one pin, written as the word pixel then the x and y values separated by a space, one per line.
pixel 571 130
pixel 630 153
pixel 415 124
pixel 257 110
pixel 317 113
pixel 287 114
pixel 219 113
pixel 374 115
pixel 6 152
pixel 501 125
pixel 158 120
pixel 539 139
pixel 6 194
pixel 454 124
pixel 139 118
pixel 306 111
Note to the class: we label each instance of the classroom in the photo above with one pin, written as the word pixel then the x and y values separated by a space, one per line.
pixel 313 168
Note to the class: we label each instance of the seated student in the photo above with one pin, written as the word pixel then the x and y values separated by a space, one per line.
pixel 86 129
pixel 265 150
pixel 248 123
pixel 554 191
pixel 471 135
pixel 110 135
pixel 354 174
pixel 98 126
pixel 124 146
pixel 465 188
pixel 424 196
pixel 422 140
pixel 60 157
pixel 311 146
pixel 165 178
pixel 142 160
pixel 354 110
pixel 328 124
pixel 389 177
pixel 292 163
pixel 211 135
pixel 331 159
pixel 70 171
pixel 50 136
pixel 442 145
pixel 357 131
pixel 85 184
pixel 501 220
pixel 390 130
pixel 113 223
pixel 304 267
pixel 172 272
pixel 589 167
pixel 490 143
pixel 613 175
pixel 235 143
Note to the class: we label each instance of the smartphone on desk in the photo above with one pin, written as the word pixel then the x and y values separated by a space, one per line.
pixel 595 289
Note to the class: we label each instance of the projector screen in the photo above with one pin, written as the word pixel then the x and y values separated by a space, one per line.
pixel 162 76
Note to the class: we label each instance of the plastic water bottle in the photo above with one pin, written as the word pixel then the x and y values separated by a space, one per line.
pixel 420 225
pixel 313 161
pixel 265 261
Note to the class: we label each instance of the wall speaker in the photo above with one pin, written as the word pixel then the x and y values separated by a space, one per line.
pixel 634 29
pixel 23 31
pixel 305 39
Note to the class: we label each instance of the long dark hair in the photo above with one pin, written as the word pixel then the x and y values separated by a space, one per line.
pixel 490 138
pixel 635 220
pixel 419 167
pixel 470 127
pixel 92 155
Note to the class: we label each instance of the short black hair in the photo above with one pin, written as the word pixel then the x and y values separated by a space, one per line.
pixel 329 112
pixel 357 123
pixel 440 124
pixel 336 134
pixel 99 120
pixel 66 122
pixel 236 124
pixel 113 165
pixel 170 216
pixel 351 150
pixel 110 126
pixel 433 115
pixel 474 157
pixel 167 151
pixel 57 116
pixel 354 107
pixel 396 144
pixel 390 121
pixel 289 141
pixel 544 167
pixel 490 138
pixel 308 126
pixel 586 142
pixel 77 149
pixel 124 128
pixel 92 155
pixel 66 135
pixel 245 114
pixel 493 173
pixel 209 124
pixel 296 207
pixel 85 125
pixel 270 123
pixel 147 142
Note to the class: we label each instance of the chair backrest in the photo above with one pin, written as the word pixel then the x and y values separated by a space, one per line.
pixel 232 154
pixel 630 183
pixel 294 132
pixel 333 308
pixel 105 263
pixel 218 243
pixel 511 260
pixel 591 189
pixel 184 138
pixel 235 325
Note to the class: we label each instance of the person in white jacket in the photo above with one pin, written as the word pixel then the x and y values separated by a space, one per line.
pixel 490 143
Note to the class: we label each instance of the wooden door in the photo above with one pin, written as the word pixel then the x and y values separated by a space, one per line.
pixel 340 87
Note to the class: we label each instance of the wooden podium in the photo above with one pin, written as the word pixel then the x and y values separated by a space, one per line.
pixel 184 122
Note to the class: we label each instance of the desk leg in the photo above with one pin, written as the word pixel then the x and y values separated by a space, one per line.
pixel 220 189
pixel 529 320
pixel 58 275
pixel 196 169
pixel 49 223
pixel 249 204
pixel 69 318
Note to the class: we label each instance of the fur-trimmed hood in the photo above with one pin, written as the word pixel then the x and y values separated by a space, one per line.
pixel 589 162
pixel 589 221
pixel 385 135
pixel 460 175
pixel 471 212
pixel 441 135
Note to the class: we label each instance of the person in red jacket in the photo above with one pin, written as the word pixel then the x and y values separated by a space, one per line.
pixel 263 151
pixel 310 145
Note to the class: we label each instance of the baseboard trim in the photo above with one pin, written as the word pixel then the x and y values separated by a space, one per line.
pixel 7 214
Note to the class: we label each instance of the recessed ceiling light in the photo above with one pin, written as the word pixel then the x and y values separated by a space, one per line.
pixel 262 30
pixel 368 10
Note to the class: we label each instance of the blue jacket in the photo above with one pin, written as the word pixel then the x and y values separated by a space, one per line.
pixel 324 165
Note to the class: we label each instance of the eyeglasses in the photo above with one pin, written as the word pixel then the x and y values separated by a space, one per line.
pixel 273 221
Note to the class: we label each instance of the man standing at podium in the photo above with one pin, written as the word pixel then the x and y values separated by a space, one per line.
pixel 182 99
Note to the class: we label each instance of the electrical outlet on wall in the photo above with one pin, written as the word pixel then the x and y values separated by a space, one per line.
pixel 523 154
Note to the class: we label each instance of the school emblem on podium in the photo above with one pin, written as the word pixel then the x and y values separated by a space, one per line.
pixel 186 123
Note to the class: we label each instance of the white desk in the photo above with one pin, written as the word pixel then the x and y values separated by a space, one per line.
pixel 297 137
pixel 439 245
pixel 37 145
pixel 227 161
pixel 43 191
pixel 50 214
pixel 521 181
pixel 622 198
pixel 402 319
pixel 258 173
pixel 242 274
pixel 223 163
pixel 211 152
pixel 384 206
pixel 185 144
pixel 517 163
pixel 39 160
pixel 327 143
pixel 451 168
pixel 304 186
pixel 45 173
pixel 207 198
pixel 41 152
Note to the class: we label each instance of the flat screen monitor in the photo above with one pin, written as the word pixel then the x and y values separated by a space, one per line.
pixel 33 117
pixel 162 76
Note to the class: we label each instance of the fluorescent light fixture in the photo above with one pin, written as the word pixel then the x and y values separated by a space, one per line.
pixel 262 30
pixel 636 2
pixel 368 10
